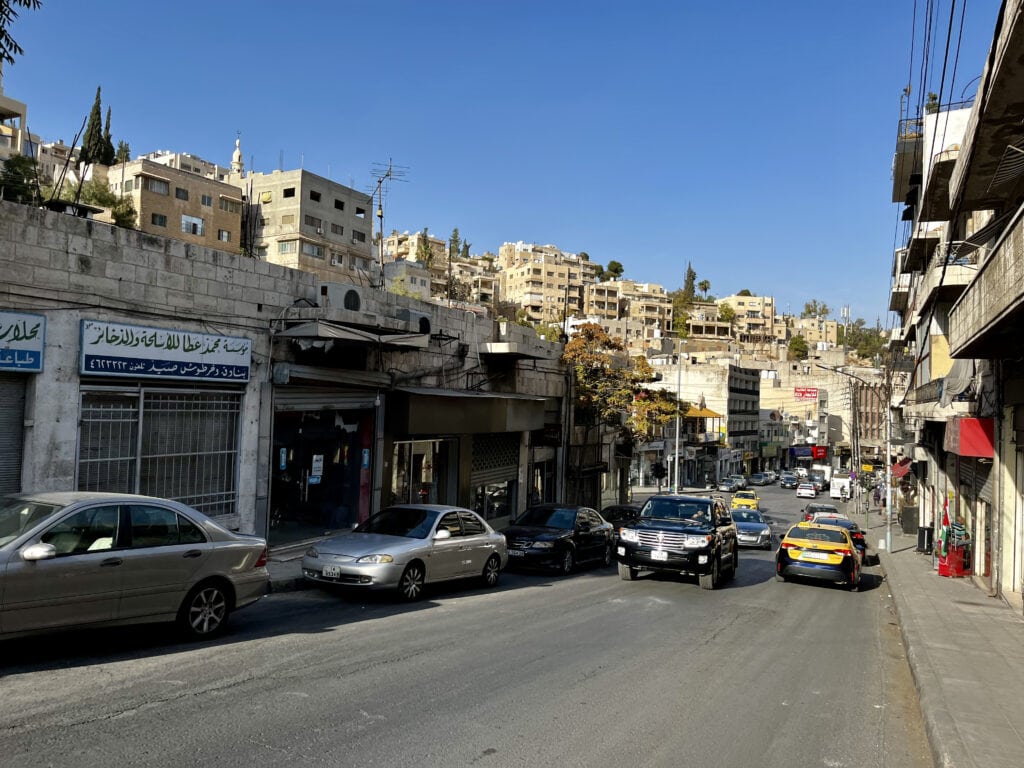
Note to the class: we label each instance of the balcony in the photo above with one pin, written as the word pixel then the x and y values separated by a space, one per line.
pixel 986 320
pixel 922 245
pixel 907 160
pixel 899 293
pixel 947 277
pixel 935 199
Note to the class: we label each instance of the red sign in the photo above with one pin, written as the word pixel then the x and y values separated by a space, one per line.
pixel 805 393
pixel 819 451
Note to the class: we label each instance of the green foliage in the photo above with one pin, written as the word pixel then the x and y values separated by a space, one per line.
pixel 9 48
pixel 866 342
pixel 615 270
pixel 464 253
pixel 798 348
pixel 458 290
pixel 424 253
pixel 744 292
pixel 18 179
pixel 704 286
pixel 523 318
pixel 92 142
pixel 506 310
pixel 599 274
pixel 123 154
pixel 726 313
pixel 815 309
pixel 548 331
pixel 689 285
pixel 108 143
pixel 454 244
pixel 123 213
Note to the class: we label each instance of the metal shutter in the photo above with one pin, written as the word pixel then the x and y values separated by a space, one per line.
pixel 12 430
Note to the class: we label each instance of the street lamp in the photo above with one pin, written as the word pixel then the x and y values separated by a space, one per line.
pixel 888 446
pixel 679 387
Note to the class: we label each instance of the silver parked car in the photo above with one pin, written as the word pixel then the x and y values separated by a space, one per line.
pixel 407 546
pixel 79 559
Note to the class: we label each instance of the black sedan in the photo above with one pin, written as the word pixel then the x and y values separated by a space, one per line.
pixel 621 514
pixel 558 537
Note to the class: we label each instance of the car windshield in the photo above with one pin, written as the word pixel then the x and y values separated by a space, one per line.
pixel 747 516
pixel 411 522
pixel 677 509
pixel 549 517
pixel 823 509
pixel 818 534
pixel 20 515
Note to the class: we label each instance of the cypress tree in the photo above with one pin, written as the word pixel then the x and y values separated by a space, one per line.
pixel 108 143
pixel 92 142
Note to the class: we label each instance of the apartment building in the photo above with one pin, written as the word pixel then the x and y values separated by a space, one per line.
pixel 638 313
pixel 705 323
pixel 755 318
pixel 545 281
pixel 180 204
pixel 14 136
pixel 476 275
pixel 302 220
pixel 819 333
pixel 407 278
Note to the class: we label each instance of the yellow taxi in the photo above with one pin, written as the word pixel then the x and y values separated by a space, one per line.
pixel 746 500
pixel 819 551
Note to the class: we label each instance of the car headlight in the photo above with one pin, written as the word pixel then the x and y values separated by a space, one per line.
pixel 696 542
pixel 376 559
pixel 543 544
pixel 312 552
pixel 628 534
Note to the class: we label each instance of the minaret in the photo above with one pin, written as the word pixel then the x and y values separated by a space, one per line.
pixel 237 166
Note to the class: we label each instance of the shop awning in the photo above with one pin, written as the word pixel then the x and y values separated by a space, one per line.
pixel 702 413
pixel 326 330
pixel 970 436
pixel 434 411
pixel 900 468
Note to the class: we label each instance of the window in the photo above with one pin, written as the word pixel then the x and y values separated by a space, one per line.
pixel 450 522
pixel 361 212
pixel 224 235
pixel 337 229
pixel 287 219
pixel 313 221
pixel 314 196
pixel 288 192
pixel 264 222
pixel 128 185
pixel 153 526
pixel 181 194
pixel 339 204
pixel 231 206
pixel 288 246
pixel 90 530
pixel 471 524
pixel 158 186
pixel 314 250
pixel 193 225
pixel 158 220
pixel 358 237
pixel 207 201
pixel 261 251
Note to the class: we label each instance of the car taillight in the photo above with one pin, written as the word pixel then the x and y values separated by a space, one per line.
pixel 844 552
pixel 261 560
pixel 789 545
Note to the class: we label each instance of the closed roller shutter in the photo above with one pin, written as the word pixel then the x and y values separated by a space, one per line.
pixel 12 430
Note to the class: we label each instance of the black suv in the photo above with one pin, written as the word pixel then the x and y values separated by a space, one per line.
pixel 692 535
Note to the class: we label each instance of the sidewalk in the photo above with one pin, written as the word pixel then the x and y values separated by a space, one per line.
pixel 966 653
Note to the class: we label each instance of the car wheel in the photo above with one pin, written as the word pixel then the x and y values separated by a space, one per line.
pixel 204 611
pixel 607 559
pixel 628 574
pixel 568 563
pixel 492 571
pixel 855 581
pixel 735 562
pixel 410 586
pixel 710 580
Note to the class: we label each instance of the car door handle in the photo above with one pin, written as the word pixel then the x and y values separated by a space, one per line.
pixel 111 562
pixel 193 553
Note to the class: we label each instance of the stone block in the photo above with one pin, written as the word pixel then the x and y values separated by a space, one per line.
pixel 119 271
pixel 128 291
pixel 170 280
pixel 43 277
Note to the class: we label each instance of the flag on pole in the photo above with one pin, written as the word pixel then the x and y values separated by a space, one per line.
pixel 944 535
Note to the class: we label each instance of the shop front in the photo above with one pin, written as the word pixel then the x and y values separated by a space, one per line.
pixel 969 443
pixel 22 343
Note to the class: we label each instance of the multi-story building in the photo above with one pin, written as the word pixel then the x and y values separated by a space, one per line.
pixel 474 279
pixel 959 290
pixel 818 332
pixel 409 278
pixel 545 281
pixel 14 136
pixel 755 317
pixel 704 323
pixel 638 313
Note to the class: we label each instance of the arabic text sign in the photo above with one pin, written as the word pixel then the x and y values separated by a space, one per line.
pixel 22 338
pixel 805 393
pixel 111 349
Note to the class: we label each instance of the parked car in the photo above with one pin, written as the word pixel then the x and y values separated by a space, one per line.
pixel 788 480
pixel 77 559
pixel 619 515
pixel 820 507
pixel 408 546
pixel 842 521
pixel 745 500
pixel 693 535
pixel 752 530
pixel 758 478
pixel 728 485
pixel 806 491
pixel 741 480
pixel 771 475
pixel 823 552
pixel 559 536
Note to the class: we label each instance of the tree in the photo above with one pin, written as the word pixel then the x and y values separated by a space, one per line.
pixel 92 143
pixel 689 285
pixel 726 313
pixel 599 274
pixel 108 143
pixel 18 180
pixel 505 310
pixel 798 348
pixel 704 286
pixel 680 312
pixel 124 153
pixel 464 253
pixel 454 244
pixel 549 331
pixel 815 309
pixel 9 48
pixel 424 253
pixel 744 292
pixel 615 270
pixel 458 290
pixel 123 213
pixel 865 342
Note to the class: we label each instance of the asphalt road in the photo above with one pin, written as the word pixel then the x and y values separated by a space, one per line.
pixel 587 670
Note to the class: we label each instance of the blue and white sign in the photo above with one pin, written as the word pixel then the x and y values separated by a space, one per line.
pixel 22 338
pixel 111 349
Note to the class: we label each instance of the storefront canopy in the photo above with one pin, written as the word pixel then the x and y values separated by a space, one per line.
pixel 428 410
pixel 324 329
pixel 901 468
pixel 702 413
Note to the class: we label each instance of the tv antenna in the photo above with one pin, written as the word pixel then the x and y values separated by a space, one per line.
pixel 384 174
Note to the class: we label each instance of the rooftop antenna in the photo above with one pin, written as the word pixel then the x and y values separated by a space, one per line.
pixel 390 172
pixel 280 161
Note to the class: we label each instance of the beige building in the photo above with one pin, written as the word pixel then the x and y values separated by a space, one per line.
pixel 818 333
pixel 180 204
pixel 705 324
pixel 14 137
pixel 545 281
pixel 638 313
pixel 755 318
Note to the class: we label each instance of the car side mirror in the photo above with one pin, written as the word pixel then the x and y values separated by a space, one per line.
pixel 39 552
pixel 583 527
pixel 441 534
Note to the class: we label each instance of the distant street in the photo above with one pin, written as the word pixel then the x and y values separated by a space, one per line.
pixel 588 671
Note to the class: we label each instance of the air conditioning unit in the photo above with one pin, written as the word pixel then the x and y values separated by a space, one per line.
pixel 354 240
pixel 319 230
pixel 335 261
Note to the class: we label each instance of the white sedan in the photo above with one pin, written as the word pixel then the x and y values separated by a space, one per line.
pixel 806 491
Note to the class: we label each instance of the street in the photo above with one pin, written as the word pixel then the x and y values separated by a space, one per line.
pixel 588 670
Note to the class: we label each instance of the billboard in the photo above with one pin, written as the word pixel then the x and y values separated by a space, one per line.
pixel 805 393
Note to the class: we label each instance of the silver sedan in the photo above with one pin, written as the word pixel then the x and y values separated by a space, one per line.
pixel 407 546
pixel 86 559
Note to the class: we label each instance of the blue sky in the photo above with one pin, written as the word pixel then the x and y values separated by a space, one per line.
pixel 753 140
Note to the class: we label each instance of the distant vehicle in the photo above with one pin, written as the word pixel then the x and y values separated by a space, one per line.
pixel 821 508
pixel 840 487
pixel 741 480
pixel 558 537
pixel 806 491
pixel 822 552
pixel 752 530
pixel 789 480
pixel 759 478
pixel 801 472
pixel 728 485
pixel 745 500
pixel 771 475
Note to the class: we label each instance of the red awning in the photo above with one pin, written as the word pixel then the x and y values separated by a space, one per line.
pixel 900 468
pixel 970 436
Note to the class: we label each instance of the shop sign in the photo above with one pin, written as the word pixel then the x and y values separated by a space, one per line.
pixel 111 349
pixel 22 338
pixel 819 451
pixel 805 393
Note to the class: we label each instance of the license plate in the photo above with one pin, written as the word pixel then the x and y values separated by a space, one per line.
pixel 515 553
pixel 331 571
pixel 659 554
pixel 816 555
